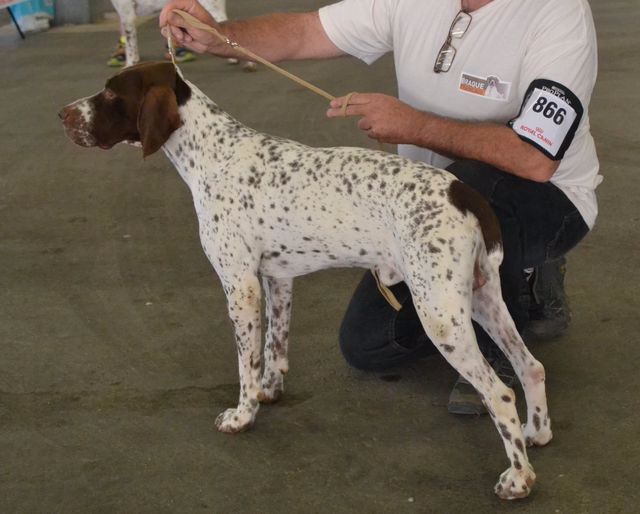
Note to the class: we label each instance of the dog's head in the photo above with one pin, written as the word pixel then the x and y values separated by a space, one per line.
pixel 138 105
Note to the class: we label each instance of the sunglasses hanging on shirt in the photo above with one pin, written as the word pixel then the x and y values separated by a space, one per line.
pixel 447 52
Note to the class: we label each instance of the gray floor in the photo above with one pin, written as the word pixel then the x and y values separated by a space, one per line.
pixel 116 354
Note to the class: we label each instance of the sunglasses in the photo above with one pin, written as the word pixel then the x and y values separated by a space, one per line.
pixel 447 52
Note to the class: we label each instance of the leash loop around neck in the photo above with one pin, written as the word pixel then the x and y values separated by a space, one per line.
pixel 171 49
pixel 172 53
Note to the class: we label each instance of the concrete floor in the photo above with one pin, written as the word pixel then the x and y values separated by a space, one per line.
pixel 116 352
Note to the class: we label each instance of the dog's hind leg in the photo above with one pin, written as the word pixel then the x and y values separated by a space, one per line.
pixel 442 293
pixel 278 311
pixel 243 297
pixel 490 311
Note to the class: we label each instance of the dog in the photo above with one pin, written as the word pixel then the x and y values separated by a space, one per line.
pixel 494 89
pixel 273 209
pixel 128 10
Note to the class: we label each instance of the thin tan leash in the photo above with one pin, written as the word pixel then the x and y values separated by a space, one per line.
pixel 172 51
pixel 386 292
pixel 195 23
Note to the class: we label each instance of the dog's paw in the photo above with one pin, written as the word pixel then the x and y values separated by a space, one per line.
pixel 536 435
pixel 232 421
pixel 272 388
pixel 515 483
pixel 232 60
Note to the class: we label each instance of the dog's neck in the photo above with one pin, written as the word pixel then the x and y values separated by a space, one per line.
pixel 205 140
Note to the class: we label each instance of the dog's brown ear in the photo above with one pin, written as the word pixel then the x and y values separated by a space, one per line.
pixel 158 118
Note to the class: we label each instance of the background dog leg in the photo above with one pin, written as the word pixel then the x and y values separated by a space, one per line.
pixel 127 14
pixel 490 311
pixel 278 311
pixel 243 296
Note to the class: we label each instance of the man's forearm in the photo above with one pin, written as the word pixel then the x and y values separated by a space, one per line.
pixel 278 37
pixel 492 143
pixel 390 120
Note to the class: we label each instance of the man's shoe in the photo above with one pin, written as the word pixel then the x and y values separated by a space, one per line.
pixel 549 313
pixel 119 57
pixel 464 399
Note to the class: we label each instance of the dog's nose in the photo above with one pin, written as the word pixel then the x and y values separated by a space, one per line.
pixel 67 113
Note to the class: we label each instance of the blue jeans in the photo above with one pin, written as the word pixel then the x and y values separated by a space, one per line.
pixel 539 223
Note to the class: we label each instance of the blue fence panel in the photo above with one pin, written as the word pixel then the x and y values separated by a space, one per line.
pixel 34 15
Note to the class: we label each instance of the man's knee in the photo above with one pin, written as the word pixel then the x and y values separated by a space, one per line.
pixel 352 339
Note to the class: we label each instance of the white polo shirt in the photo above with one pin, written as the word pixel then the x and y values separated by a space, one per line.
pixel 531 64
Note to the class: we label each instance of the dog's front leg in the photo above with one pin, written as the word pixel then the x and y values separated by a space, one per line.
pixel 243 297
pixel 278 310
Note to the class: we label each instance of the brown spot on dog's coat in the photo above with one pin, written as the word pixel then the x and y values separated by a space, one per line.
pixel 466 199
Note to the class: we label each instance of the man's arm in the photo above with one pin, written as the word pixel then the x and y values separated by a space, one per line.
pixel 389 120
pixel 491 143
pixel 275 37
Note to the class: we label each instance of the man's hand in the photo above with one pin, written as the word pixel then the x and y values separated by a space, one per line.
pixel 185 35
pixel 383 117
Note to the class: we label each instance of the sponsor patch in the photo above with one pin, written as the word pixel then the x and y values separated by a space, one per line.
pixel 488 87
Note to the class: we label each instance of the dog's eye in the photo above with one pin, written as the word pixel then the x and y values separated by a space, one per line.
pixel 109 95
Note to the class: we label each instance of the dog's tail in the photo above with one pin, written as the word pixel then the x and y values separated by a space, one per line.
pixel 466 199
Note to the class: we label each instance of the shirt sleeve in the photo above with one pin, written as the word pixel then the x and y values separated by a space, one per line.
pixel 558 75
pixel 564 50
pixel 361 28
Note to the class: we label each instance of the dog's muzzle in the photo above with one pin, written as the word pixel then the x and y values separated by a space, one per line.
pixel 76 118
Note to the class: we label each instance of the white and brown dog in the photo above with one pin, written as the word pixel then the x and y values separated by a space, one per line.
pixel 273 209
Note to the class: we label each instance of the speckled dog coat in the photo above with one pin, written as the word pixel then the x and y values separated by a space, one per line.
pixel 271 209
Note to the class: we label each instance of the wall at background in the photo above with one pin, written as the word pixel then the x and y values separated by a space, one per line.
pixel 98 8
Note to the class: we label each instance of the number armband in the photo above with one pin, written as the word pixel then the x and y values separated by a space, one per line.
pixel 548 118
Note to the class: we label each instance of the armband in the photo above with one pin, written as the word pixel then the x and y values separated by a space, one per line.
pixel 548 118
